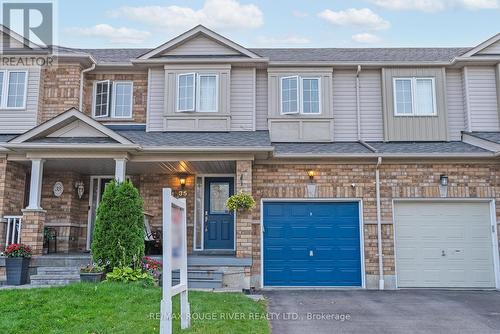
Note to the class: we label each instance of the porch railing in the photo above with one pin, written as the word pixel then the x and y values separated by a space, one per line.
pixel 13 234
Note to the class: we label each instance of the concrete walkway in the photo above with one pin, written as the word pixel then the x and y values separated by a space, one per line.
pixel 403 311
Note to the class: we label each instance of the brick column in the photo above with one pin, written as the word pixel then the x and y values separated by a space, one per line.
pixel 244 219
pixel 32 229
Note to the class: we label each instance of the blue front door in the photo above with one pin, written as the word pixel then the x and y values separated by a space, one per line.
pixel 311 244
pixel 218 221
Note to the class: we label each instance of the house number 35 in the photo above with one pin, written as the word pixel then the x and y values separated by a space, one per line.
pixel 181 193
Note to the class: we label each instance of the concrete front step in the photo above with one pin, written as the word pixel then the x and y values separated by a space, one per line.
pixel 57 270
pixel 201 283
pixel 201 275
pixel 54 279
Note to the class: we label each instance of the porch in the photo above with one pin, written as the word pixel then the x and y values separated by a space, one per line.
pixel 48 194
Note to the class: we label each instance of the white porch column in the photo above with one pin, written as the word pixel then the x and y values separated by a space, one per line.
pixel 36 184
pixel 120 169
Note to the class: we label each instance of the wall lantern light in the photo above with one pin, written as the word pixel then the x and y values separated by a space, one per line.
pixel 311 174
pixel 80 189
pixel 443 180
pixel 182 182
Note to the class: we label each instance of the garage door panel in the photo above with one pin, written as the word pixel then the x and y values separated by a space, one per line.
pixel 451 244
pixel 320 244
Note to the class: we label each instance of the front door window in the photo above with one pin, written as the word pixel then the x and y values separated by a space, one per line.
pixel 218 221
pixel 98 185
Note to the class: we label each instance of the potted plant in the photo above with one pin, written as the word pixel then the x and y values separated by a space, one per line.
pixel 92 273
pixel 240 202
pixel 153 267
pixel 17 263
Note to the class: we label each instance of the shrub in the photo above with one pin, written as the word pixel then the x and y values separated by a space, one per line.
pixel 128 275
pixel 118 239
pixel 241 201
pixel 18 250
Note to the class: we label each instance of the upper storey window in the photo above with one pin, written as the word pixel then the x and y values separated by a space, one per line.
pixel 13 85
pixel 113 99
pixel 300 95
pixel 414 96
pixel 197 92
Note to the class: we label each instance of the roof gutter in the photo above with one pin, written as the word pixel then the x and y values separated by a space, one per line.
pixel 82 74
pixel 207 149
pixel 386 155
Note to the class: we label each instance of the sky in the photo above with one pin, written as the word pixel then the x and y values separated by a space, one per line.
pixel 280 23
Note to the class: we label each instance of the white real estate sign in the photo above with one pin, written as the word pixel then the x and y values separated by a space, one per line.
pixel 174 258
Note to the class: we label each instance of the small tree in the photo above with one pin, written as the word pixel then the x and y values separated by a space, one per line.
pixel 118 238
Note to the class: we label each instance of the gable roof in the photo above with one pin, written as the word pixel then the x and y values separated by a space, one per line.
pixel 62 120
pixel 18 38
pixel 482 46
pixel 193 33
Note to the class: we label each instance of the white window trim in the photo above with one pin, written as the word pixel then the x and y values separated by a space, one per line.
pixel 5 89
pixel 302 95
pixel 177 92
pixel 94 102
pixel 198 88
pixel 298 95
pixel 414 108
pixel 113 99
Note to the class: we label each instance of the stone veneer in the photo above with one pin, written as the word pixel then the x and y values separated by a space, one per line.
pixel 398 180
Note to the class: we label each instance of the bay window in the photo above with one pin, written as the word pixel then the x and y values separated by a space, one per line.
pixel 13 88
pixel 113 99
pixel 300 95
pixel 414 96
pixel 197 92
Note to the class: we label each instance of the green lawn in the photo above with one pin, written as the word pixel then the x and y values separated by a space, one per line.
pixel 122 308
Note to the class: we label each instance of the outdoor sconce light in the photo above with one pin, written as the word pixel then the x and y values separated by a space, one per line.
pixel 80 189
pixel 311 174
pixel 182 182
pixel 443 180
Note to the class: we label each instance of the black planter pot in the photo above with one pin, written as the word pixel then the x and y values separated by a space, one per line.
pixel 91 277
pixel 17 270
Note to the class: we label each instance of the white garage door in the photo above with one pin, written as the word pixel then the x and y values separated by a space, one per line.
pixel 444 244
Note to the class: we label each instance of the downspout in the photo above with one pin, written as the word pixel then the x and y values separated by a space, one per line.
pixel 358 104
pixel 379 227
pixel 82 74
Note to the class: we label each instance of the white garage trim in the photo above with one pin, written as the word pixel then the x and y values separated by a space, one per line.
pixel 493 221
pixel 331 200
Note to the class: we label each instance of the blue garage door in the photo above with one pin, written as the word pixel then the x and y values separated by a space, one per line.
pixel 312 244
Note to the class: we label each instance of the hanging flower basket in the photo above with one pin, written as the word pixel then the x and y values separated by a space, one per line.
pixel 240 202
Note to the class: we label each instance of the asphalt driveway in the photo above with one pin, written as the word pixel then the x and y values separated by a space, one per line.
pixel 402 311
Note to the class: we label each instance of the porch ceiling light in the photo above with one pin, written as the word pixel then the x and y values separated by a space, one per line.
pixel 443 180
pixel 311 174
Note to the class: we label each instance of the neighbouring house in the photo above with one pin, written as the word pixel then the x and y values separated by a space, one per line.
pixel 361 161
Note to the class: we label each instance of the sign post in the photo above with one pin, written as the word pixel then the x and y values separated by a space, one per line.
pixel 174 258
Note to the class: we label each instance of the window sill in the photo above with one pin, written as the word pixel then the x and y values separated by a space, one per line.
pixel 13 109
pixel 121 119
pixel 415 116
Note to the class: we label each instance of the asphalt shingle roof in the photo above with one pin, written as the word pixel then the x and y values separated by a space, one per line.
pixel 198 139
pixel 6 137
pixel 490 136
pixel 304 54
pixel 74 140
pixel 382 148
pixel 362 54
pixel 320 148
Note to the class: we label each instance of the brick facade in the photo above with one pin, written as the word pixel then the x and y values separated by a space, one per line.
pixel 243 184
pixel 66 214
pixel 357 181
pixel 32 230
pixel 60 90
pixel 140 87
pixel 12 185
